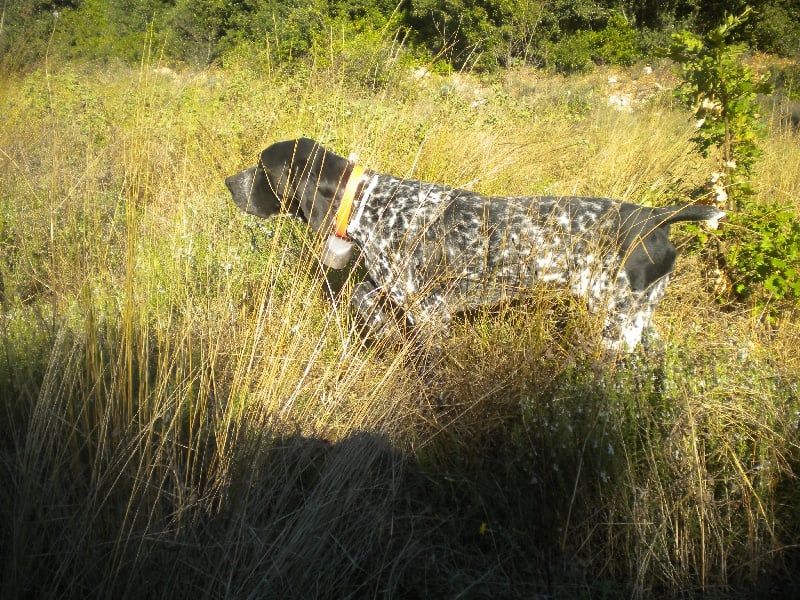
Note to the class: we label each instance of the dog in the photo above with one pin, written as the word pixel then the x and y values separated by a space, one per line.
pixel 432 251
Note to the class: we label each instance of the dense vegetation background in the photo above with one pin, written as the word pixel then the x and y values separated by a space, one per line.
pixel 186 407
pixel 565 34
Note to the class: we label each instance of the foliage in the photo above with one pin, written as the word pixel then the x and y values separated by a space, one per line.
pixel 466 33
pixel 776 28
pixel 721 90
pixel 25 29
pixel 198 28
pixel 573 54
pixel 765 257
pixel 98 29
pixel 617 41
pixel 486 33
pixel 787 80
pixel 763 261
pixel 614 44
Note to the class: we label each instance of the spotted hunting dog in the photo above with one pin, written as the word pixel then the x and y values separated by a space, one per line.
pixel 432 251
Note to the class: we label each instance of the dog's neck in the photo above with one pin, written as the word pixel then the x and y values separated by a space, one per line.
pixel 345 210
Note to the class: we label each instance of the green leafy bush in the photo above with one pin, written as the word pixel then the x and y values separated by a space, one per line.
pixel 568 35
pixel 24 33
pixel 776 30
pixel 100 29
pixel 615 44
pixel 573 54
pixel 465 32
pixel 765 259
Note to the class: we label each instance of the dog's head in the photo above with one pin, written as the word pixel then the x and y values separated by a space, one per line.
pixel 298 177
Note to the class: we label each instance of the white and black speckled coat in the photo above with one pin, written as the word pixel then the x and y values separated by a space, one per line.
pixel 433 251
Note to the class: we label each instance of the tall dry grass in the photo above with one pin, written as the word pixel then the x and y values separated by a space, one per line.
pixel 188 409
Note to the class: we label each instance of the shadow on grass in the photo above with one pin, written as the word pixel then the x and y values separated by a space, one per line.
pixel 359 518
pixel 553 491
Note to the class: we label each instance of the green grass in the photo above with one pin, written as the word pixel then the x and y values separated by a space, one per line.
pixel 185 411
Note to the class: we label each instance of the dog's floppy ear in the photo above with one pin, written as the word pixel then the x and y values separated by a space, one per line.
pixel 317 187
pixel 252 193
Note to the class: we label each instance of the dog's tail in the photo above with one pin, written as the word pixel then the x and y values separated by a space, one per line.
pixel 691 212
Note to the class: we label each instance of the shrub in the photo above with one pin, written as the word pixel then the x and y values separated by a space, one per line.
pixel 776 31
pixel 466 32
pixel 573 54
pixel 722 92
pixel 101 29
pixel 24 33
pixel 765 260
pixel 763 256
pixel 615 44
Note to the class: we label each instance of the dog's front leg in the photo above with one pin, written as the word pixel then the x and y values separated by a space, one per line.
pixel 375 317
pixel 429 317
